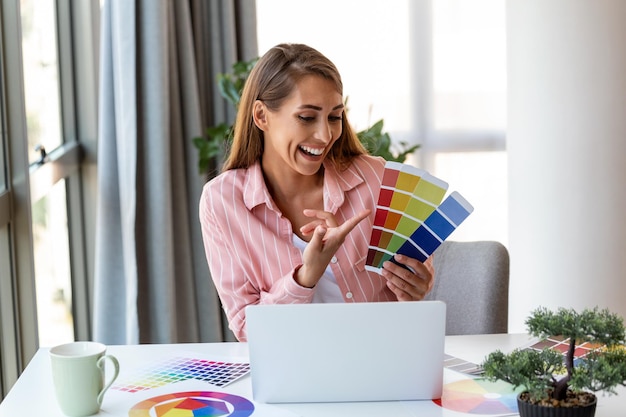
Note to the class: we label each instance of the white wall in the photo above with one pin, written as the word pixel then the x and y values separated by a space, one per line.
pixel 567 154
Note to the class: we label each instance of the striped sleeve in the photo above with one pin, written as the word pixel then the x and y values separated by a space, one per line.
pixel 242 250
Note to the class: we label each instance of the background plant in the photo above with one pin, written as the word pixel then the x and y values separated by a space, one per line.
pixel 547 374
pixel 216 140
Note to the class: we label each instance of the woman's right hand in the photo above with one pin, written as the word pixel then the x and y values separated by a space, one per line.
pixel 326 238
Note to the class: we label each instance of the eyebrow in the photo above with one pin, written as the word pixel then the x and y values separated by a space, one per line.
pixel 312 107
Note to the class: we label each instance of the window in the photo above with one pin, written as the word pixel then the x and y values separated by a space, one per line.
pixel 41 75
pixel 47 97
pixel 435 71
pixel 6 309
pixel 49 209
pixel 16 303
pixel 468 65
pixel 465 144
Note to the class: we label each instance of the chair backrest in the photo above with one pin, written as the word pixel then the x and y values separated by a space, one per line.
pixel 472 278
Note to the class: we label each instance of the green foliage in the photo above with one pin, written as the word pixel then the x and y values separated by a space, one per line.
pixel 214 144
pixel 378 143
pixel 534 370
pixel 591 325
pixel 601 371
pixel 231 84
pixel 547 373
pixel 217 138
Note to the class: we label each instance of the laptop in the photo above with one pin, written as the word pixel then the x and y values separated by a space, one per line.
pixel 335 352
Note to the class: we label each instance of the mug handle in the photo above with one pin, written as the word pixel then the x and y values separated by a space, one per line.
pixel 101 365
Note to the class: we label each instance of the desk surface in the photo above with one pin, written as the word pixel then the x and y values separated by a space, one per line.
pixel 33 394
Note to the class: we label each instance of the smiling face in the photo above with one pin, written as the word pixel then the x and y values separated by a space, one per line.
pixel 299 135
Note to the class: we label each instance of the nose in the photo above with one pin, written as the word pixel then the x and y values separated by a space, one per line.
pixel 325 131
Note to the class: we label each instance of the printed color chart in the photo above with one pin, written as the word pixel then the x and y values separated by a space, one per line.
pixel 558 343
pixel 180 369
pixel 561 344
pixel 479 396
pixel 193 404
pixel 461 365
pixel 410 217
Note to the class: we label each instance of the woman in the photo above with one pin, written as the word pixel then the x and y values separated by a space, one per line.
pixel 289 218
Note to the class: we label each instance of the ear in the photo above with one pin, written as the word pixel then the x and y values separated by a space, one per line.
pixel 259 114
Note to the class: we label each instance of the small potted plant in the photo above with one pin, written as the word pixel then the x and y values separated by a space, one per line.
pixel 554 383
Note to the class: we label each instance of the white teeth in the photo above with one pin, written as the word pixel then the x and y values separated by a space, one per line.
pixel 312 151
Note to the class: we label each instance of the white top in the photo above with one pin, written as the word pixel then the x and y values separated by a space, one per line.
pixel 326 290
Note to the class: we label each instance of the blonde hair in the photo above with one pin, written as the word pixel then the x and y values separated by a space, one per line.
pixel 272 79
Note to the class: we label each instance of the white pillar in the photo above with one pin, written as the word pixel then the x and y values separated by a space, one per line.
pixel 567 155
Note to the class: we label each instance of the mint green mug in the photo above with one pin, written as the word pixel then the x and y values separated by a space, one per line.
pixel 78 372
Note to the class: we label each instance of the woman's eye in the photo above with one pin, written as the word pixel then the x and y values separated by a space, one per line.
pixel 335 118
pixel 306 118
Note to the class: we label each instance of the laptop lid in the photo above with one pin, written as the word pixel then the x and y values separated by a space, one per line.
pixel 332 352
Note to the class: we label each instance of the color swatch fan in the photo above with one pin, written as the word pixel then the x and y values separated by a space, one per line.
pixel 412 217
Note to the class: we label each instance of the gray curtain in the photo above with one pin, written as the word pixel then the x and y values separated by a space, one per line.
pixel 158 65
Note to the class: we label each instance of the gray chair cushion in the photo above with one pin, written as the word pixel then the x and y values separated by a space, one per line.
pixel 472 278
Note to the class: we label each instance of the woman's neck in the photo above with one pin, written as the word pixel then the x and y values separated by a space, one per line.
pixel 294 193
pixel 285 187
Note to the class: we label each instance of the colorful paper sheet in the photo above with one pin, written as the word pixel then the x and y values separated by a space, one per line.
pixel 176 369
pixel 410 217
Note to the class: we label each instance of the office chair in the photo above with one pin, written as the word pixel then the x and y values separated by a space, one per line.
pixel 472 278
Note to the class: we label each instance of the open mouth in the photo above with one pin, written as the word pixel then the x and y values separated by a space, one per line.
pixel 312 151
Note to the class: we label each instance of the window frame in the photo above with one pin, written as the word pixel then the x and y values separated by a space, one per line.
pixel 18 335
pixel 74 161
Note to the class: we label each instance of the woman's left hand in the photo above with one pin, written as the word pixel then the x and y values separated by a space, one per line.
pixel 408 285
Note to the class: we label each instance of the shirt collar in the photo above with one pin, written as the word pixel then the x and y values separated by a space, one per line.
pixel 255 191
pixel 336 184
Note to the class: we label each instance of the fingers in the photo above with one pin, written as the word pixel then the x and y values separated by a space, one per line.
pixel 316 242
pixel 322 218
pixel 308 228
pixel 335 236
pixel 408 285
pixel 350 224
pixel 327 219
pixel 325 216
pixel 325 241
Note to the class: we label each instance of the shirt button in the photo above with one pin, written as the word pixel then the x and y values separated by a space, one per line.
pixel 348 295
pixel 333 260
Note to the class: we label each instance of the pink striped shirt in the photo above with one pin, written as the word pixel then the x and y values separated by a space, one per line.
pixel 249 244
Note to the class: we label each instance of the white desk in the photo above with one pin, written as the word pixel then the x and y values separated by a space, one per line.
pixel 33 394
